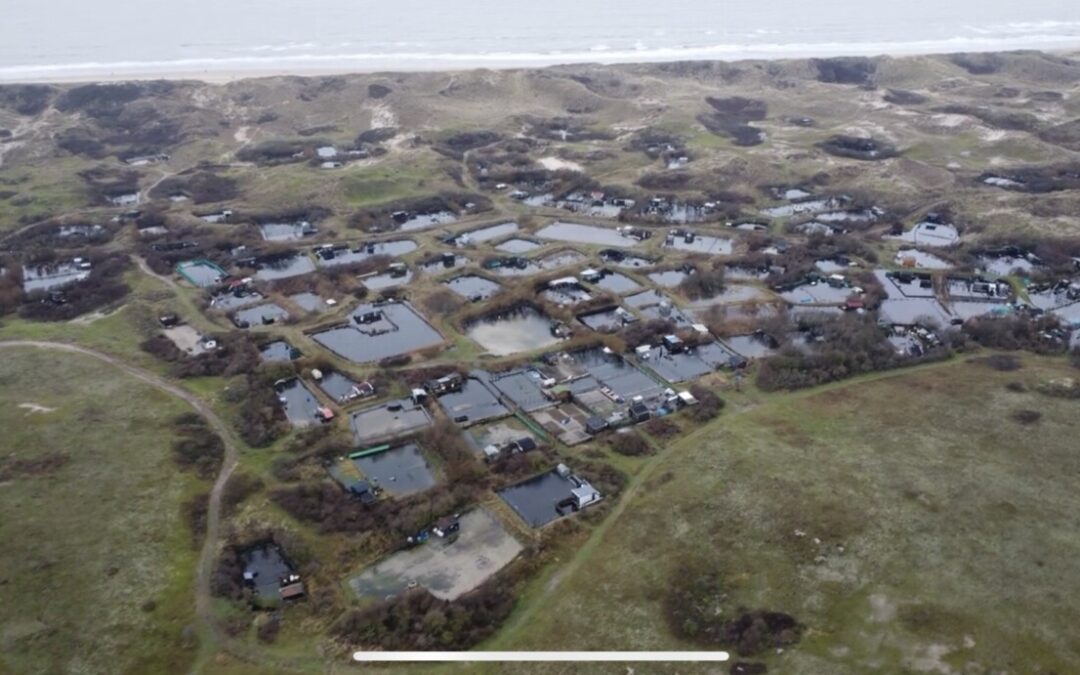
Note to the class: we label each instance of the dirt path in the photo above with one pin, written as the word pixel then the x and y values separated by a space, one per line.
pixel 203 607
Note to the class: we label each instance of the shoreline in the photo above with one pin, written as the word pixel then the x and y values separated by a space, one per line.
pixel 221 71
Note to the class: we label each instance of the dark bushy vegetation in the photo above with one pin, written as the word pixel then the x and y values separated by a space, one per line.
pixel 694 606
pixel 239 487
pixel 706 283
pixel 259 419
pixel 852 345
pixel 1038 179
pixel 417 620
pixel 194 512
pixel 456 145
pixel 629 444
pixel 1002 362
pixel 236 354
pixel 708 405
pixel 1014 332
pixel 854 147
pixel 979 64
pixel 198 448
pixel 731 117
pixel 25 99
pixel 904 97
pixel 201 186
pixel 846 70
pixel 10 469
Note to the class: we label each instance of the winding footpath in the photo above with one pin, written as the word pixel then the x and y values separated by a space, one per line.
pixel 203 607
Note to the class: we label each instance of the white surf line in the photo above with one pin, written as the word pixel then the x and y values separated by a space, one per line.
pixel 539 657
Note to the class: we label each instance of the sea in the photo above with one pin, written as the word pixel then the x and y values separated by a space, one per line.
pixel 112 38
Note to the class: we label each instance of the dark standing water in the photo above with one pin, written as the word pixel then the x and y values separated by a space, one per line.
pixel 586 234
pixel 473 287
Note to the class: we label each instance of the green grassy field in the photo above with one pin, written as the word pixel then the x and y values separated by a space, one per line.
pixel 906 520
pixel 97 566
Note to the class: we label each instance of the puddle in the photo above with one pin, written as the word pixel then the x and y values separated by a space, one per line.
pixel 284 267
pixel 484 234
pixel 612 281
pixel 520 330
pixel 260 315
pixel 518 245
pixel 560 259
pixel 287 231
pixel 329 256
pixel 342 388
pixel 512 266
pixel 389 420
pixel 201 273
pixel 300 405
pixel 549 496
pixel 474 288
pixel 684 240
pixel 377 331
pixel 400 471
pixel 585 234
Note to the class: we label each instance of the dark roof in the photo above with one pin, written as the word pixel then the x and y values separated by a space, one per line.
pixel 525 443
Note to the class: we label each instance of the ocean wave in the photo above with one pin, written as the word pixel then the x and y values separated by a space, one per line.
pixel 369 60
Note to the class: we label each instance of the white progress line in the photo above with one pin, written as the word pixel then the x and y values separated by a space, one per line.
pixel 583 657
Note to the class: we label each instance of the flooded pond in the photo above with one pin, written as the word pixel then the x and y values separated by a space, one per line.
pixel 752 346
pixel 1004 266
pixel 483 234
pixel 586 234
pixel 343 388
pixel 47 277
pixel 625 260
pixel 287 231
pixel 817 294
pixel 284 267
pixel 377 331
pixel 201 273
pixel 391 279
pixel 266 570
pixel 613 281
pixel 800 208
pixel 518 245
pixel 443 261
pixel 310 302
pixel 521 330
pixel 930 234
pixel 388 420
pixel 328 256
pixel 260 315
pixel 474 288
pixel 400 471
pixel 698 243
pixel 608 320
pixel 473 403
pixel 231 300
pixel 547 497
pixel 921 260
pixel 669 278
pixel 299 404
pixel 421 221
pixel 279 350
